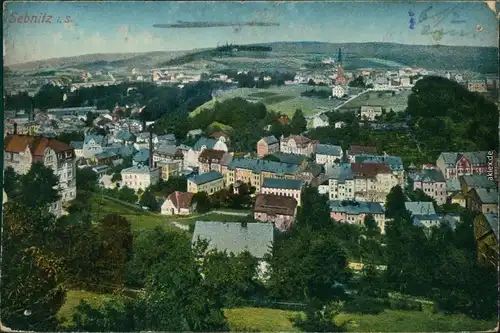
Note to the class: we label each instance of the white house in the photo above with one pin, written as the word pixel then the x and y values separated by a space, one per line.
pixel 328 154
pixel 140 177
pixel 320 120
pixel 338 91
pixel 92 145
pixel 370 112
pixel 339 124
pixel 78 147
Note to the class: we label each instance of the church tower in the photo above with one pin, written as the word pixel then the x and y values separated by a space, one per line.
pixel 340 79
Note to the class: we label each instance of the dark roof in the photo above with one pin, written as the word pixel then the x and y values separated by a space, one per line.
pixel 330 150
pixel 204 142
pixel 289 184
pixel 290 158
pixel 258 166
pixel 210 155
pixel 300 140
pixel 76 144
pixel 478 181
pixel 270 140
pixel 369 169
pixel 181 199
pixel 355 207
pixel 275 204
pixel 206 177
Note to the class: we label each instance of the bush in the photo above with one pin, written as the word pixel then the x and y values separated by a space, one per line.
pixel 366 305
pixel 405 304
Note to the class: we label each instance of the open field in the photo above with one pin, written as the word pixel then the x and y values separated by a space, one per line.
pixel 285 99
pixel 376 98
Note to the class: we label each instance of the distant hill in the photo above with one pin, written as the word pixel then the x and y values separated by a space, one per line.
pixel 477 59
pixel 287 55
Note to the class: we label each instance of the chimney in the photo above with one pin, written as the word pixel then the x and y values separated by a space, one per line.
pixel 151 147
pixel 15 128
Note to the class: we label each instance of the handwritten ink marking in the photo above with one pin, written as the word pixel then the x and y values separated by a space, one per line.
pixel 433 21
pixel 412 19
pixel 42 18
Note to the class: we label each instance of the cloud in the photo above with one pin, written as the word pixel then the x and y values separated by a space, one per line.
pixel 214 24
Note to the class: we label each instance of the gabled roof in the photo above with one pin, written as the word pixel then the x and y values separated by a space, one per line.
pixel 270 140
pixel 323 117
pixel 37 144
pixel 210 155
pixel 300 140
pixel 340 173
pixel 275 204
pixel 288 184
pixel 420 208
pixel 330 150
pixel 168 150
pixel 233 237
pixel 125 136
pixel 355 207
pixel 208 143
pixel 486 195
pixel 97 139
pixel 430 176
pixel 394 162
pixel 105 154
pixel 492 220
pixel 206 177
pixel 452 185
pixel 76 144
pixel 356 150
pixel 141 156
pixel 476 158
pixel 478 181
pixel 181 199
pixel 289 158
pixel 369 169
pixel 258 166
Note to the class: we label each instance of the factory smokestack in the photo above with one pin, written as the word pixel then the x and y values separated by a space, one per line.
pixel 151 146
pixel 15 128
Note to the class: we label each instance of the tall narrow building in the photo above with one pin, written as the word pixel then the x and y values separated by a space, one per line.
pixel 340 79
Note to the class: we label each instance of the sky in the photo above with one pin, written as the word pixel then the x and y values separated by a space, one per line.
pixel 78 28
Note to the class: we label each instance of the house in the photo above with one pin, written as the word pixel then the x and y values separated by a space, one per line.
pixel 106 182
pixel 144 138
pixel 256 238
pixel 267 146
pixel 372 181
pixel 167 153
pixel 92 144
pixel 78 147
pixel 477 86
pixel 328 154
pixel 213 160
pixel 432 183
pixel 140 177
pixel 221 136
pixel 298 144
pixel 341 183
pixel 354 212
pixel 126 137
pixel 167 140
pixel 276 209
pixel 178 203
pixel 192 156
pixel 370 113
pixel 100 170
pixel 253 171
pixel 486 235
pixel 360 150
pixel 454 165
pixel 452 187
pixel 423 214
pixel 21 151
pixel 468 182
pixel 107 158
pixel 320 120
pixel 339 124
pixel 209 182
pixel 482 200
pixel 338 91
pixel 169 168
pixel 395 163
pixel 141 157
pixel 283 187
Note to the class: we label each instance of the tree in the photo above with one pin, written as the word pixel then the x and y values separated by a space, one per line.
pixel 39 186
pixel 89 121
pixel 115 247
pixel 395 202
pixel 68 137
pixel 86 180
pixel 32 291
pixel 299 122
pixel 313 212
pixel 148 199
pixel 127 194
pixel 202 201
pixel 371 226
pixel 11 183
pixel 117 177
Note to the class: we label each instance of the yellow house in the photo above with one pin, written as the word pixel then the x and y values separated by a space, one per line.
pixel 486 234
pixel 169 169
pixel 458 198
pixel 209 182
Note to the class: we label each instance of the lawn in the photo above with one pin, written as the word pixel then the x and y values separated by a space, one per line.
pixel 266 320
pixel 284 99
pixel 138 218
pixel 397 102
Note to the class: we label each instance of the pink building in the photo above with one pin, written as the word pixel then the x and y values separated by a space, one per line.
pixel 354 212
pixel 432 183
pixel 276 209
pixel 453 165
pixel 267 146
pixel 298 144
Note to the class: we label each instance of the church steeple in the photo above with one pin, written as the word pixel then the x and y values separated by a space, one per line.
pixel 339 60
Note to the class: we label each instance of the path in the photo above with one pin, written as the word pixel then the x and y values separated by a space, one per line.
pixel 351 98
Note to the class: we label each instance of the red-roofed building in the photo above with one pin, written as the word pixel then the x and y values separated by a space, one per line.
pixel 279 210
pixel 21 151
pixel 178 203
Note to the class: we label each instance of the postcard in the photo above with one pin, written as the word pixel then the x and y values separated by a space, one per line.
pixel 305 166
